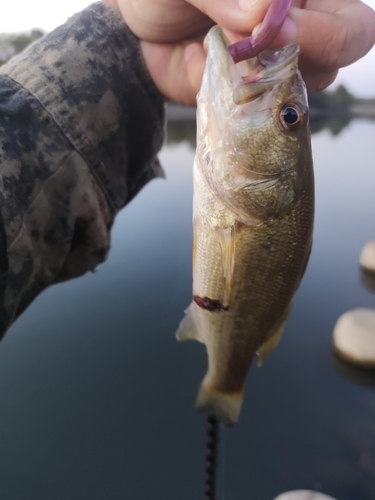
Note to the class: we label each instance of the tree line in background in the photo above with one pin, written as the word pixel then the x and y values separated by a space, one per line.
pixel 12 44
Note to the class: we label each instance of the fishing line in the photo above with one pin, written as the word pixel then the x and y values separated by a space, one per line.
pixel 212 450
pixel 222 468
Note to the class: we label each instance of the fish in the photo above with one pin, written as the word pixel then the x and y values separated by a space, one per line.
pixel 253 213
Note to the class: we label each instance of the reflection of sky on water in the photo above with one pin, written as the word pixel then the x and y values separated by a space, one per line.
pixel 97 398
pixel 345 182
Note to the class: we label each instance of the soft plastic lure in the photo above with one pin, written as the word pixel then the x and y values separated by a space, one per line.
pixel 270 28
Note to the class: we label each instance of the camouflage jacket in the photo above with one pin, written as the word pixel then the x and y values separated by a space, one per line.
pixel 81 123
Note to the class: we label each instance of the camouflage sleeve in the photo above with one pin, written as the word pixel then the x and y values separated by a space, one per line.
pixel 81 123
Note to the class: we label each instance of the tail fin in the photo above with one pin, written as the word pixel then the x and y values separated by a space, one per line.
pixel 226 407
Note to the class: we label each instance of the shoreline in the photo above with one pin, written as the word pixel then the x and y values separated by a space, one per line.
pixel 176 112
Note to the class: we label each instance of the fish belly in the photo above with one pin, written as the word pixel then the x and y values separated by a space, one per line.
pixel 244 278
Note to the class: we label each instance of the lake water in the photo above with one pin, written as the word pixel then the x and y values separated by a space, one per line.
pixel 97 398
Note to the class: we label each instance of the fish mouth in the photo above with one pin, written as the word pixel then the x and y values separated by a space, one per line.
pixel 253 77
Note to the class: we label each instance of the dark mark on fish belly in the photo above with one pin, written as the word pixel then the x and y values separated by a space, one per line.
pixel 210 304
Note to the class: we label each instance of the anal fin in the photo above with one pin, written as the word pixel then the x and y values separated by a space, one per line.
pixel 187 329
pixel 269 345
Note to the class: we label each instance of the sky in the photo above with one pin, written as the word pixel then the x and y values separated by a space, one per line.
pixel 22 15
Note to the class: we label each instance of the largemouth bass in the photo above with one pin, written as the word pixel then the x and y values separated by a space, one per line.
pixel 252 214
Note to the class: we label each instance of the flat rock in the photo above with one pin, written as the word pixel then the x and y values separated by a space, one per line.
pixel 367 257
pixel 303 495
pixel 354 337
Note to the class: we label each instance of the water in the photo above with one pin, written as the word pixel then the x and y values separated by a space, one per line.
pixel 97 397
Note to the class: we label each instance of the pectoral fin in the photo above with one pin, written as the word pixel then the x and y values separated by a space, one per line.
pixel 228 252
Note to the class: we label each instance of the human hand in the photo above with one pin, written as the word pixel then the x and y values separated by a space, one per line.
pixel 331 34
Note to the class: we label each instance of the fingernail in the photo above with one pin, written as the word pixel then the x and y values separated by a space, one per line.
pixel 247 5
pixel 288 33
pixel 256 29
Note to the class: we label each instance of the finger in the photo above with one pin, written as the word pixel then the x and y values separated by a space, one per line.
pixel 163 21
pixel 288 34
pixel 168 68
pixel 334 40
pixel 317 81
pixel 240 16
pixel 195 58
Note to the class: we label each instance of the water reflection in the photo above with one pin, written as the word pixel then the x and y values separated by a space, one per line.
pixel 361 376
pixel 354 480
pixel 182 126
pixel 333 123
pixel 182 130
pixel 96 394
pixel 367 279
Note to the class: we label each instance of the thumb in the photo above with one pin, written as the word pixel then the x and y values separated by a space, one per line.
pixel 176 75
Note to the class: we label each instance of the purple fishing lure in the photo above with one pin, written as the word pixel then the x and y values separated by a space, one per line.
pixel 270 28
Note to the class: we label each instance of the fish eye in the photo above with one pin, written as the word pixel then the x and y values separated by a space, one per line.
pixel 291 117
